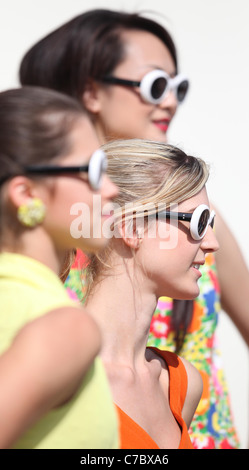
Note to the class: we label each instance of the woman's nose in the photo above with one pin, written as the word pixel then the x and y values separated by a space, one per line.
pixel 210 242
pixel 109 189
pixel 170 101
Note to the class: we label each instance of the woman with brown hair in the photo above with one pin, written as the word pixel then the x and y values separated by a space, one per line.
pixel 49 160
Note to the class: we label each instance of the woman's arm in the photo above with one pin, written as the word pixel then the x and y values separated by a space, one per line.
pixel 43 368
pixel 233 275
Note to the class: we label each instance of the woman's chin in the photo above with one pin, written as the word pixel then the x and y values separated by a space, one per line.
pixel 187 295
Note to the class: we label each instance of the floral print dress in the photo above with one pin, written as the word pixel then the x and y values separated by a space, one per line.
pixel 212 426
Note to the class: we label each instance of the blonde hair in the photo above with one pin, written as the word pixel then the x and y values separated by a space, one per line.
pixel 147 174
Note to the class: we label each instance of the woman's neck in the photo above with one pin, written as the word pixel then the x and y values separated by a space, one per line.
pixel 124 312
pixel 37 245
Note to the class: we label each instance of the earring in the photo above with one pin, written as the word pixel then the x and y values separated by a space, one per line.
pixel 32 213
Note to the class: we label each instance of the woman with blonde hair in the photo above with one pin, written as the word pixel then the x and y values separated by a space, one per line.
pixel 160 240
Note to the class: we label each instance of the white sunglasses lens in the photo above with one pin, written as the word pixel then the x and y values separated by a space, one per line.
pixel 199 222
pixel 154 85
pixel 182 90
pixel 97 166
pixel 158 87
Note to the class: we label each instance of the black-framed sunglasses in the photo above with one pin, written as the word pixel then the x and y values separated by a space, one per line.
pixel 155 85
pixel 199 220
pixel 95 169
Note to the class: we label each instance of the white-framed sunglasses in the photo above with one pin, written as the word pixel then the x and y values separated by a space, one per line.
pixel 155 85
pixel 199 220
pixel 96 167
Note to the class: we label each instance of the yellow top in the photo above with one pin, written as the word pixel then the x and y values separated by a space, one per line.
pixel 28 289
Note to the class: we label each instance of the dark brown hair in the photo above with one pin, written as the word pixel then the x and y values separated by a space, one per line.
pixel 182 315
pixel 34 127
pixel 86 48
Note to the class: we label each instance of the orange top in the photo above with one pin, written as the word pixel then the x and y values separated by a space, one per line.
pixel 133 436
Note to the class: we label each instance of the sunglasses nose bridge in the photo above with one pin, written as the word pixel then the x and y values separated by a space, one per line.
pixel 170 98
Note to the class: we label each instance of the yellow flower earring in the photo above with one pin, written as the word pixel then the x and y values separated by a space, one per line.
pixel 32 213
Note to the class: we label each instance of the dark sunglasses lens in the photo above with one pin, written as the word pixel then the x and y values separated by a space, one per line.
pixel 158 87
pixel 182 90
pixel 212 222
pixel 203 221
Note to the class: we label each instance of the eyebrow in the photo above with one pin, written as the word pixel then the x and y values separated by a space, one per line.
pixel 172 74
pixel 156 67
pixel 189 210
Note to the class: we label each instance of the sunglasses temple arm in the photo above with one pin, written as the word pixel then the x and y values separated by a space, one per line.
pixel 49 170
pixel 120 81
pixel 174 215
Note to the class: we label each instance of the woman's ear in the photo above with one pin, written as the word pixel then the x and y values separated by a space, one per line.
pixel 130 233
pixel 20 191
pixel 91 99
pixel 23 201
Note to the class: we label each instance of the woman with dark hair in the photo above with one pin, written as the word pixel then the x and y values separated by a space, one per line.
pixel 91 46
pixel 49 160
pixel 123 67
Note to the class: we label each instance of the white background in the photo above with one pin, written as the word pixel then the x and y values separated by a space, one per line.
pixel 212 38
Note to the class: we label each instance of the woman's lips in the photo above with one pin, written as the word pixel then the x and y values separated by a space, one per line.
pixel 196 267
pixel 162 124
